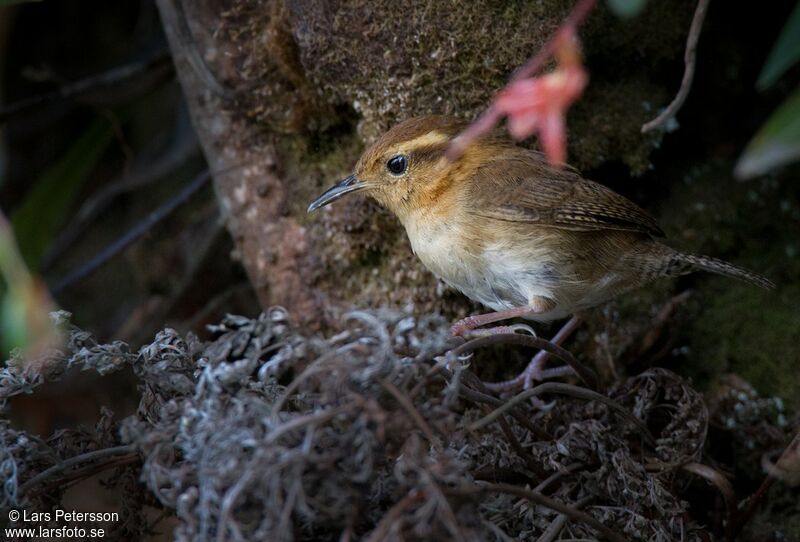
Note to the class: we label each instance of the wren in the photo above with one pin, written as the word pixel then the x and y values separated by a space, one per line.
pixel 511 231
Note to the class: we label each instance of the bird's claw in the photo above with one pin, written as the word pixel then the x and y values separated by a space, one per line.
pixel 463 326
pixel 483 332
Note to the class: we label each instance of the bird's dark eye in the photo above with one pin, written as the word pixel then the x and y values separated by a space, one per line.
pixel 397 164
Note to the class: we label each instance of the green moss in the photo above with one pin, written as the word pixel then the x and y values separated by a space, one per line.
pixel 752 333
pixel 302 61
pixel 736 327
pixel 314 164
pixel 778 518
pixel 606 125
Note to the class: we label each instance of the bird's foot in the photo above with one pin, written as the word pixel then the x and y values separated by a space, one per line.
pixel 464 326
pixel 536 371
pixel 460 328
pixel 496 330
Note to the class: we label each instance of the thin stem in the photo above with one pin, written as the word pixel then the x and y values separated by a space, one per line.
pixel 145 174
pixel 78 475
pixel 575 19
pixel 72 461
pixel 689 59
pixel 395 512
pixel 506 428
pixel 558 524
pixel 408 406
pixel 564 389
pixel 572 467
pixel 541 500
pixel 300 422
pixel 472 394
pixel 761 492
pixel 152 71
pixel 724 486
pixel 491 116
pixel 117 246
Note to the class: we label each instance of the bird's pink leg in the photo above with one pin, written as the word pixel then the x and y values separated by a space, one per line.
pixel 535 370
pixel 537 305
pixel 494 330
pixel 471 322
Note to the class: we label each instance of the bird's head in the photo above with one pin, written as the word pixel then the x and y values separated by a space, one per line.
pixel 406 168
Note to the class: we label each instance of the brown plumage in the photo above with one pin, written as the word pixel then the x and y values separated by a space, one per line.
pixel 510 231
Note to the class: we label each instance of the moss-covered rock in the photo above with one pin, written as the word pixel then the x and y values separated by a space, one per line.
pixel 305 60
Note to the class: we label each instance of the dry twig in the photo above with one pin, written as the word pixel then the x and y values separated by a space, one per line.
pixel 541 500
pixel 152 71
pixel 689 59
pixel 755 499
pixel 724 486
pixel 564 389
pixel 404 402
pixel 117 246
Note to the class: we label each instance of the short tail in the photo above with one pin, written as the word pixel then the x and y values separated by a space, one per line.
pixel 681 264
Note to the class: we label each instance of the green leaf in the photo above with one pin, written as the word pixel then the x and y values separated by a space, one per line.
pixel 626 8
pixel 14 332
pixel 45 207
pixel 776 143
pixel 785 53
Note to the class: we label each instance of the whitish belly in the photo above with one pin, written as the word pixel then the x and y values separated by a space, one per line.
pixel 523 274
pixel 499 276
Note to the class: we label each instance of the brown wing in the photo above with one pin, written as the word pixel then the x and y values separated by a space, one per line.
pixel 528 190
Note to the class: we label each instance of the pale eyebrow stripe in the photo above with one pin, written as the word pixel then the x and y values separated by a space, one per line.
pixel 431 139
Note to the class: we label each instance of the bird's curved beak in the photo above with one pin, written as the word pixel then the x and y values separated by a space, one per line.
pixel 345 186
